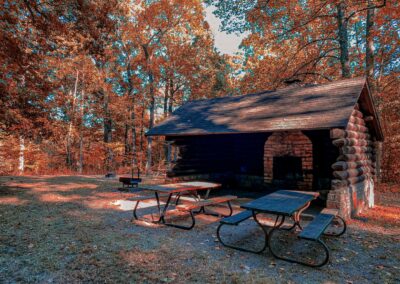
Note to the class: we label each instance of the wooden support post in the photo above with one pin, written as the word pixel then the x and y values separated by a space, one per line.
pixel 168 156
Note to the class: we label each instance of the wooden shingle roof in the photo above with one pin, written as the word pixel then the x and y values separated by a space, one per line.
pixel 322 106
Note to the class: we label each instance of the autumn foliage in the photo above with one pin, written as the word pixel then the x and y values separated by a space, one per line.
pixel 82 81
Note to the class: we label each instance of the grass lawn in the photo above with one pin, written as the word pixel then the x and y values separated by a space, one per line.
pixel 73 229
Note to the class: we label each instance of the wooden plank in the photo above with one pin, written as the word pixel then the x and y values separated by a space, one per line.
pixel 337 133
pixel 339 183
pixel 355 150
pixel 351 173
pixel 141 198
pixel 342 165
pixel 316 227
pixel 284 202
pixel 357 120
pixel 354 157
pixel 181 187
pixel 206 202
pixel 357 128
pixel 351 142
pixel 237 218
pixel 358 135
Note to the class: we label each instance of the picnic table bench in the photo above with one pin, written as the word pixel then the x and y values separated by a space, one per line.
pixel 283 204
pixel 207 202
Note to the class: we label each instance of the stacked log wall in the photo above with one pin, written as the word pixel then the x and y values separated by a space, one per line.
pixel 354 170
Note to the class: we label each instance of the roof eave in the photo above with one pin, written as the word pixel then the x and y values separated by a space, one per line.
pixel 242 132
pixel 376 121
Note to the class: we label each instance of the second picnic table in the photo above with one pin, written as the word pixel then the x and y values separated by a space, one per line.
pixel 282 204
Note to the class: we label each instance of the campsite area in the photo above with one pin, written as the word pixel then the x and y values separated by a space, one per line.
pixel 70 229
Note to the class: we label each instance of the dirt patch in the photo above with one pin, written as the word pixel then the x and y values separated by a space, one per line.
pixel 68 229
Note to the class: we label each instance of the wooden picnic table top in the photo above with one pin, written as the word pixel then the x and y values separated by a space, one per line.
pixel 181 186
pixel 282 202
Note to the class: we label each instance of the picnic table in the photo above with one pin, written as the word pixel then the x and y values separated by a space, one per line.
pixel 176 190
pixel 284 204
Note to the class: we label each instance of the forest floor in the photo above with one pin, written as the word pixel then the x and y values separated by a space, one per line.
pixel 73 229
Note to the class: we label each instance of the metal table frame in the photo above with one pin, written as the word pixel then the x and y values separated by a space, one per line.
pixel 179 189
pixel 272 204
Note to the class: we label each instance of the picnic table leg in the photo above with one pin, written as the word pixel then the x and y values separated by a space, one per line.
pixel 158 206
pixel 276 255
pixel 177 198
pixel 296 218
pixel 163 210
pixel 344 227
pixel 134 211
pixel 276 227
pixel 298 214
pixel 213 213
pixel 242 248
pixel 277 224
pixel 203 209
pixel 181 226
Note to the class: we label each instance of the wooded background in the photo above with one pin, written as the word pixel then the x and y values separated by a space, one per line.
pixel 82 81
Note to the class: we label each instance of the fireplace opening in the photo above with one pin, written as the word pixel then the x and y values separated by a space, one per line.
pixel 287 168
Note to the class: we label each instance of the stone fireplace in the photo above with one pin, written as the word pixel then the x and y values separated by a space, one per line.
pixel 288 160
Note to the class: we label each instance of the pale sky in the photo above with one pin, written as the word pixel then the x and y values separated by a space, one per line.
pixel 226 43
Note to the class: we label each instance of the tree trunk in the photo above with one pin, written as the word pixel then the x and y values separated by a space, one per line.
pixel 151 124
pixel 133 128
pixel 80 165
pixel 166 96
pixel 141 144
pixel 126 142
pixel 171 95
pixel 151 106
pixel 109 162
pixel 369 52
pixel 132 117
pixel 343 40
pixel 21 166
pixel 71 123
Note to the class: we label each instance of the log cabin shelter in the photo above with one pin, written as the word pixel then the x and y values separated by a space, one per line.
pixel 312 137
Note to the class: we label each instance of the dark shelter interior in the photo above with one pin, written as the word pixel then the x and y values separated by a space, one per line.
pixel 237 160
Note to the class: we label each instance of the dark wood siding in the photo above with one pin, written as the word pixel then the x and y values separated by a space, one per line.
pixel 228 153
pixel 243 154
pixel 324 155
